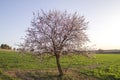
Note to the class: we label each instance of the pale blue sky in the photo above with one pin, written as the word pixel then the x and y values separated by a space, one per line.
pixel 103 17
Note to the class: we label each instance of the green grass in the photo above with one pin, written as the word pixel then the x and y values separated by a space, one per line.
pixel 13 60
pixel 103 66
pixel 109 67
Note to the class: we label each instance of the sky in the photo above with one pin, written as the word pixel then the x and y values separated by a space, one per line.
pixel 103 16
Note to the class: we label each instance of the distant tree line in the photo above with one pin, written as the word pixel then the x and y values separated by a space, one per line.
pixel 5 46
pixel 100 51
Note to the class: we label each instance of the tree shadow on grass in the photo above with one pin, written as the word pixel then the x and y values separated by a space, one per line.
pixel 37 75
pixel 48 75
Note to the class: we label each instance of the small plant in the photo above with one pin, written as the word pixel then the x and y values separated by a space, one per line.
pixel 1 71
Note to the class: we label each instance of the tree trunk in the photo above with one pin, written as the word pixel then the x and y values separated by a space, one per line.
pixel 58 65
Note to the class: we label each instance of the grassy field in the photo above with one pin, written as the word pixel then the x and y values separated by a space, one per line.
pixel 16 66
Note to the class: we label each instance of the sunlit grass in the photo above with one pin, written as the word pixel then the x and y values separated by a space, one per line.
pixel 102 66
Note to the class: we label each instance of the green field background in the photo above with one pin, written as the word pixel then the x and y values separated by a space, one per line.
pixel 101 66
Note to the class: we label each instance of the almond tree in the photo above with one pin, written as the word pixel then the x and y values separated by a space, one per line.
pixel 55 32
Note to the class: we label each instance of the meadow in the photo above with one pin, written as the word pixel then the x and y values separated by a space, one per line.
pixel 17 66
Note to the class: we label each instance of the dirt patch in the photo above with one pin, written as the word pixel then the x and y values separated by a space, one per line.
pixel 47 75
pixel 11 73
